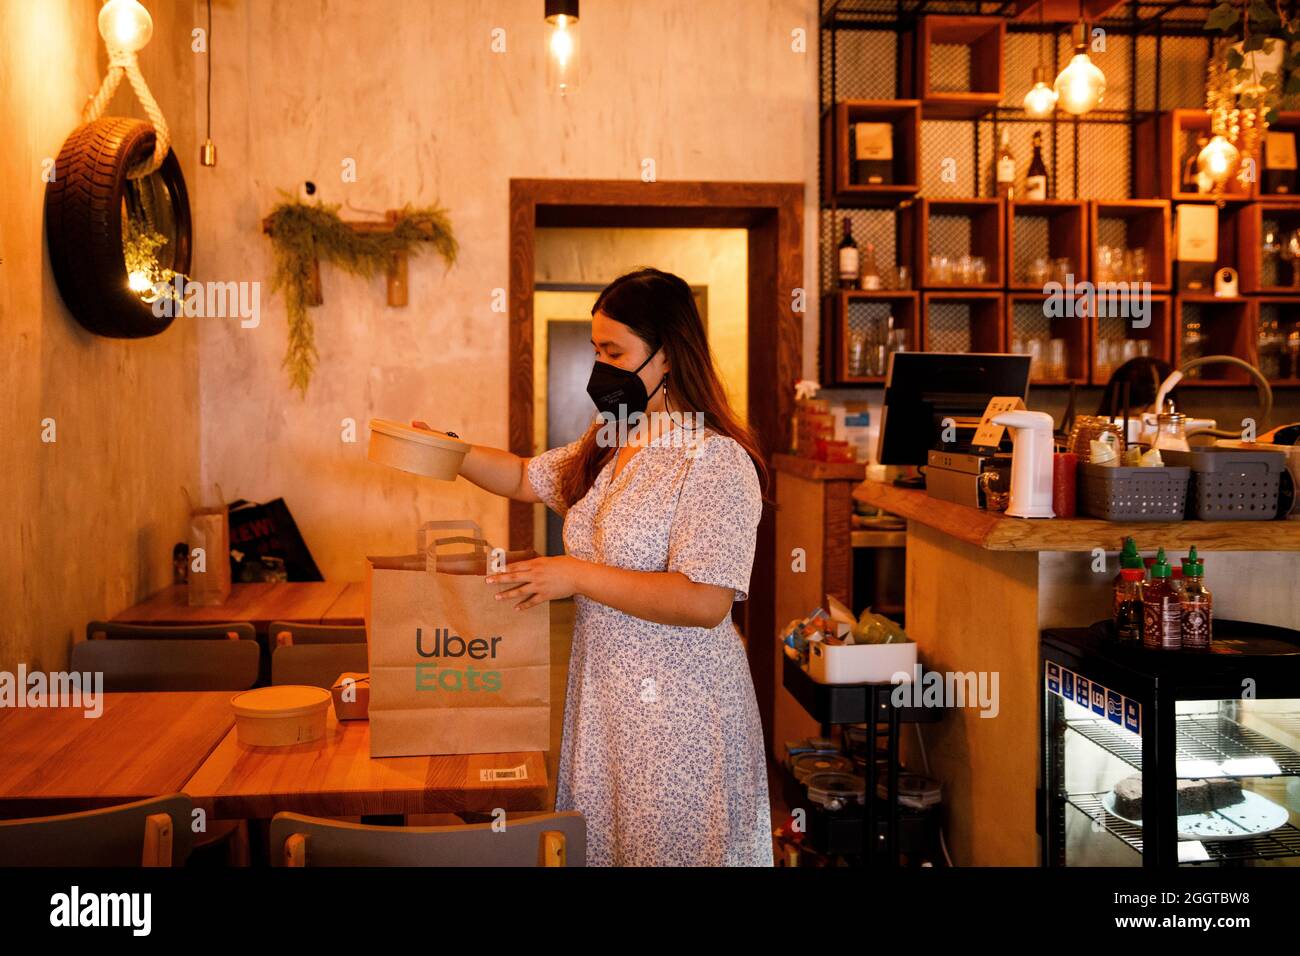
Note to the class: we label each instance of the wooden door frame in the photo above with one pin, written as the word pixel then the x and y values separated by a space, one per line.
pixel 772 214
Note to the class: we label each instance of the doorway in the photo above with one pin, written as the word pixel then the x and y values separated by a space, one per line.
pixel 772 215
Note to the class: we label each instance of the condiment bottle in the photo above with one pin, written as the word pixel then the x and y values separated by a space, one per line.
pixel 1128 605
pixel 1198 606
pixel 1129 558
pixel 1162 612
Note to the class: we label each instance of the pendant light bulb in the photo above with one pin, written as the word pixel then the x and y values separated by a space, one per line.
pixel 1081 85
pixel 1041 98
pixel 125 25
pixel 1218 160
pixel 562 45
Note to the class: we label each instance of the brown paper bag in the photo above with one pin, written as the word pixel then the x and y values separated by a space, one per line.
pixel 452 669
pixel 209 530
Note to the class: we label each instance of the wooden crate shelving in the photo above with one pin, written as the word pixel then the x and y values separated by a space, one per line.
pixel 1258 220
pixel 1227 327
pixel 847 308
pixel 837 180
pixel 1028 316
pixel 944 46
pixel 957 227
pixel 1063 235
pixel 1142 224
pixel 962 321
pixel 1109 327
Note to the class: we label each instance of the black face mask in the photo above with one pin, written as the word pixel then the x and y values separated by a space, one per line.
pixel 617 392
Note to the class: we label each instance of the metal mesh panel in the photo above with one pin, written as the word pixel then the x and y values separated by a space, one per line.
pixel 950 68
pixel 1103 161
pixel 1111 231
pixel 876 226
pixel 949 236
pixel 1182 71
pixel 949 327
pixel 948 152
pixel 1020 54
pixel 1031 242
pixel 1029 322
pixel 865 61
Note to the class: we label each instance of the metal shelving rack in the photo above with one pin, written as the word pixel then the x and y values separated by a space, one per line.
pixel 1090 156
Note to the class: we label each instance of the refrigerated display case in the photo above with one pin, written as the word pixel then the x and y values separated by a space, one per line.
pixel 1166 758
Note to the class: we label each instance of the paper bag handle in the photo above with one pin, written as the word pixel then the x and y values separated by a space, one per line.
pixel 431 555
pixel 422 535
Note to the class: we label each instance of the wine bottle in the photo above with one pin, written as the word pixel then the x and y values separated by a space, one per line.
pixel 1036 178
pixel 848 262
pixel 1005 167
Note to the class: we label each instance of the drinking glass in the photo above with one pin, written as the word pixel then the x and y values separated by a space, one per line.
pixel 979 270
pixel 857 352
pixel 904 275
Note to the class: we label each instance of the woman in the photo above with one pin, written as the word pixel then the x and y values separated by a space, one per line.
pixel 662 749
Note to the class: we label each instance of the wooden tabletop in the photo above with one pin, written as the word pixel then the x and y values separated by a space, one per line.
pixel 997 532
pixel 814 470
pixel 56 760
pixel 336 776
pixel 304 602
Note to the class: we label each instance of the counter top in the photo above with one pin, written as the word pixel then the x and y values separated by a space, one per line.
pixel 814 470
pixel 996 532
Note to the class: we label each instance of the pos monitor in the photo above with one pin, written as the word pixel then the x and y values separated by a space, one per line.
pixel 922 389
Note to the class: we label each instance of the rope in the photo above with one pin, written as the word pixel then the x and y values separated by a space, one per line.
pixel 124 63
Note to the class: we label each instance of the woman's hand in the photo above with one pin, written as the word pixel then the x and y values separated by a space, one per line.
pixel 538 580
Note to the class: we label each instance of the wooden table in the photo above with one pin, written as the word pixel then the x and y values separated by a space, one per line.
pixel 304 602
pixel 56 760
pixel 336 776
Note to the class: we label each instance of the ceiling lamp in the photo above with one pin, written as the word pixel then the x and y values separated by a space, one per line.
pixel 1081 84
pixel 1218 159
pixel 1041 98
pixel 562 45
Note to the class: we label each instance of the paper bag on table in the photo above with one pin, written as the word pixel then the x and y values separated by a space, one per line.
pixel 209 541
pixel 452 669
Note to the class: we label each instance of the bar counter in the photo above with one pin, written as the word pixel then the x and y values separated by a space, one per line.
pixel 980 589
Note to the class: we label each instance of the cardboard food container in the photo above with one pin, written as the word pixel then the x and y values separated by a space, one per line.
pixel 280 716
pixel 420 451
pixel 358 709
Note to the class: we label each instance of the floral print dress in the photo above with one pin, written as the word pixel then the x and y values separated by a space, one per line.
pixel 662 749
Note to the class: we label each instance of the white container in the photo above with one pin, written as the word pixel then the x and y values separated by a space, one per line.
pixel 860 663
pixel 281 716
pixel 420 451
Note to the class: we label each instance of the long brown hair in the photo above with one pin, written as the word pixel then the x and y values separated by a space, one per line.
pixel 660 310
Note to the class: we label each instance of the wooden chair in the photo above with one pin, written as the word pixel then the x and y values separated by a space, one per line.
pixel 169 664
pixel 317 665
pixel 154 832
pixel 548 839
pixel 112 631
pixel 284 633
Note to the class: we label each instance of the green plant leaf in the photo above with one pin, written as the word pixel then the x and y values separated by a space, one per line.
pixel 1253 42
pixel 1235 60
pixel 1222 18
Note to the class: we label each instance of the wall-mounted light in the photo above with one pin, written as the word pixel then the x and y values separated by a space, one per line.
pixel 125 25
pixel 1081 85
pixel 1218 159
pixel 562 45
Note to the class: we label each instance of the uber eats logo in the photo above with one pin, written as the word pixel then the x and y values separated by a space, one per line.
pixel 446 645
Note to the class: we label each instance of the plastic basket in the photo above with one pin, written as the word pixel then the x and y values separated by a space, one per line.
pixel 1231 485
pixel 1130 493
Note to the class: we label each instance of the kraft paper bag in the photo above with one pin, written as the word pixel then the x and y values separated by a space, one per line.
pixel 209 530
pixel 452 669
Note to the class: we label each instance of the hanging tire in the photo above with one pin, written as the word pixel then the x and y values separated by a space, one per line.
pixel 83 225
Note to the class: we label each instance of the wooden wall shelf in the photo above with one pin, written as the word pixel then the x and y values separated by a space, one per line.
pixel 1145 224
pixel 848 309
pixel 1228 247
pixel 1285 311
pixel 838 183
pixel 1170 137
pixel 1065 236
pixel 1227 327
pixel 1104 356
pixel 980 40
pixel 962 321
pixel 1254 221
pixel 1026 319
pixel 937 228
pixel 1287 122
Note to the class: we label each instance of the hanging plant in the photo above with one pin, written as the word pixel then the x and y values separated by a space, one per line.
pixel 1260 59
pixel 305 234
